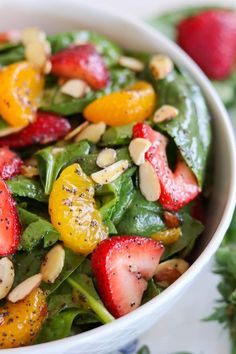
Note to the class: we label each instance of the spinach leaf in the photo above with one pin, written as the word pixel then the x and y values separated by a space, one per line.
pixel 72 262
pixel 12 55
pixel 55 101
pixel 22 186
pixel 58 326
pixel 191 229
pixel 36 229
pixel 84 285
pixel 109 50
pixel 53 159
pixel 120 135
pixel 27 264
pixel 141 218
pixel 191 128
pixel 3 124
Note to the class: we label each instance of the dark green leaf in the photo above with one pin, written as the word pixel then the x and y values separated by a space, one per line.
pixel 12 55
pixel 53 159
pixel 152 291
pixel 58 327
pixel 191 128
pixel 36 229
pixel 3 124
pixel 142 218
pixel 144 350
pixel 120 135
pixel 22 186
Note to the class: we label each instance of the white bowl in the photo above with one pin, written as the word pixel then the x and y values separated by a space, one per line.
pixel 54 16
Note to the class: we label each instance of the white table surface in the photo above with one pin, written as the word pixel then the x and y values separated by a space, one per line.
pixel 181 329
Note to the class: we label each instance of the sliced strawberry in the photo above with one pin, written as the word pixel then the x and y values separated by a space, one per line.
pixel 210 39
pixel 10 227
pixel 10 163
pixel 81 62
pixel 178 188
pixel 47 128
pixel 122 266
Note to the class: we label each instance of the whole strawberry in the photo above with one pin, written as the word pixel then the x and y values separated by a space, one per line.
pixel 210 39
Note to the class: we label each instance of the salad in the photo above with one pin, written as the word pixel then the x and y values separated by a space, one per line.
pixel 104 179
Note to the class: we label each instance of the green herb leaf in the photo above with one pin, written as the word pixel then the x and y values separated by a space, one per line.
pixel 53 159
pixel 22 186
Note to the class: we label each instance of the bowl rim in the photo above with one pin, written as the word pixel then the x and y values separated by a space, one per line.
pixel 181 58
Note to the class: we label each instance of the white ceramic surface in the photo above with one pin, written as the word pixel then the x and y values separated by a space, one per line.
pixel 56 16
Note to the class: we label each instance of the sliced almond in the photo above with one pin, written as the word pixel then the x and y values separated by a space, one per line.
pixel 148 182
pixel 75 88
pixel 53 264
pixel 165 113
pixel 161 66
pixel 29 171
pixel 131 63
pixel 25 288
pixel 169 271
pixel 47 67
pixel 137 149
pixel 37 48
pixel 76 131
pixel 93 132
pixel 110 173
pixel 9 131
pixel 7 275
pixel 106 157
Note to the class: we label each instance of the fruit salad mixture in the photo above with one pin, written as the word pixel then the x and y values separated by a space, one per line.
pixel 103 181
pixel 208 35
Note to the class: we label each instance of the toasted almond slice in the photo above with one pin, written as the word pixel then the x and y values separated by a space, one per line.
pixel 92 132
pixel 29 171
pixel 53 264
pixel 106 157
pixel 76 131
pixel 131 63
pixel 47 67
pixel 161 66
pixel 75 88
pixel 37 48
pixel 169 271
pixel 110 173
pixel 25 288
pixel 30 34
pixel 137 149
pixel 35 54
pixel 165 113
pixel 7 275
pixel 9 131
pixel 148 182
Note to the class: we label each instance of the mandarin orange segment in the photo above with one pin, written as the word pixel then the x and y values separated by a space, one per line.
pixel 134 104
pixel 21 88
pixel 73 211
pixel 21 322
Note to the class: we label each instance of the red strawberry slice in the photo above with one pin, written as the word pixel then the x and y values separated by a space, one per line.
pixel 122 266
pixel 210 39
pixel 10 227
pixel 178 188
pixel 47 128
pixel 10 163
pixel 81 62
